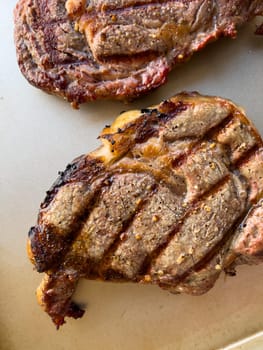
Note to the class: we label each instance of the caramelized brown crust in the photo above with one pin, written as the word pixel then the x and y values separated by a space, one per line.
pixel 117 49
pixel 172 197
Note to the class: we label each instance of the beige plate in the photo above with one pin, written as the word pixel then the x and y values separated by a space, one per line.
pixel 253 342
pixel 39 134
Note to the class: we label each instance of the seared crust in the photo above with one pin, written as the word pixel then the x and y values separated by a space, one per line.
pixel 172 197
pixel 117 49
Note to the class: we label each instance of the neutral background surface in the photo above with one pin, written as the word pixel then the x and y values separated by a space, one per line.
pixel 39 135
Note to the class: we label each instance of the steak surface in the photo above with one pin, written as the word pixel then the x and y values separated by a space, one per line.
pixel 173 197
pixel 87 50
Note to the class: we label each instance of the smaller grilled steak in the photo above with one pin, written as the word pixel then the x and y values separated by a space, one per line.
pixel 173 197
pixel 87 50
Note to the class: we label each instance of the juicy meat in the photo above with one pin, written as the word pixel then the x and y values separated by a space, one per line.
pixel 86 50
pixel 173 197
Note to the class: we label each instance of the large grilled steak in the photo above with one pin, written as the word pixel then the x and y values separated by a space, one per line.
pixel 86 50
pixel 173 197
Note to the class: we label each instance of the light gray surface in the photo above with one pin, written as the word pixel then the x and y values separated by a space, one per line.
pixel 39 135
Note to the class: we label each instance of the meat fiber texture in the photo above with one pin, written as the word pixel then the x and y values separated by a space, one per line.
pixel 87 50
pixel 173 197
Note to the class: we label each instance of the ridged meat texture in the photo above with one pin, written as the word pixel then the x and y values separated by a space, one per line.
pixel 173 197
pixel 86 50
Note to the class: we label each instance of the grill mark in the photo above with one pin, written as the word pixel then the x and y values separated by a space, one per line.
pixel 82 220
pixel 211 133
pixel 106 183
pixel 93 14
pixel 208 136
pixel 84 169
pixel 146 126
pixel 226 240
pixel 142 129
pixel 135 4
pixel 250 151
pixel 249 124
pixel 194 148
pixel 101 267
pixel 179 161
pixel 48 27
pixel 151 258
pixel 224 124
pixel 169 110
pixel 126 58
pixel 247 156
pixel 200 264
pixel 51 260
pixel 93 271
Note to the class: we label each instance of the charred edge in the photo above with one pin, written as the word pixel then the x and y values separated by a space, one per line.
pixel 147 125
pixel 61 180
pixel 150 260
pixel 75 311
pixel 108 137
pixel 146 130
pixel 141 130
pixel 166 111
pixel 109 274
pixel 147 110
pixel 49 248
pixel 59 305
pixel 169 110
pixel 83 168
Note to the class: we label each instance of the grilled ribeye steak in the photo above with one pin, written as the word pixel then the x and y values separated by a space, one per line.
pixel 86 50
pixel 173 197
